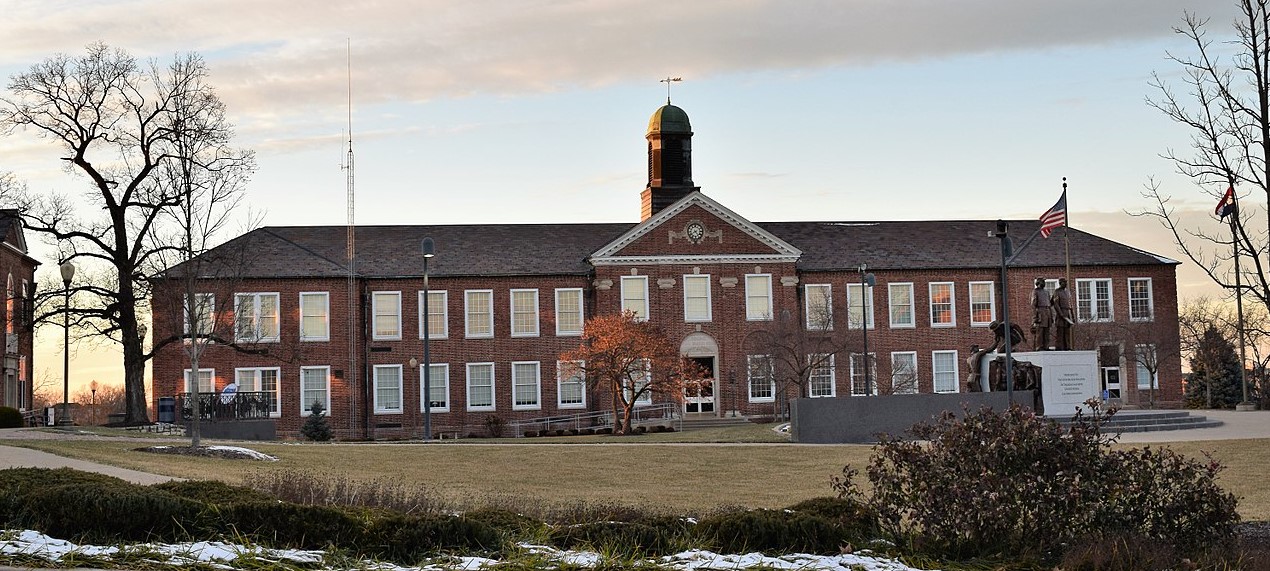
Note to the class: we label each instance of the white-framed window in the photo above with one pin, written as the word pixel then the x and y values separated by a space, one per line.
pixel 943 310
pixel 758 297
pixel 818 299
pixel 760 372
pixel 480 386
pixel 524 312
pixel 256 317
pixel 1146 380
pixel 204 312
pixel 635 296
pixel 479 308
pixel 697 297
pixel 262 380
pixel 315 316
pixel 315 387
pixel 386 307
pixel 858 362
pixel 387 379
pixel 904 372
pixel 569 318
pixel 820 380
pixel 438 314
pixel 983 307
pixel 859 306
pixel 570 384
pixel 206 380
pixel 438 387
pixel 900 299
pixel 944 369
pixel 646 397
pixel 1093 299
pixel 1141 303
pixel 526 385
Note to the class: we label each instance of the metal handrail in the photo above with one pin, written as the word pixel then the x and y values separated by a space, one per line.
pixel 600 419
pixel 217 407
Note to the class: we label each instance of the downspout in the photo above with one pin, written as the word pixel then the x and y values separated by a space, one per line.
pixel 367 385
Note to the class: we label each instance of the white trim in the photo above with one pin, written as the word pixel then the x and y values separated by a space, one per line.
pixel 537 383
pixel 1150 300
pixel 647 303
pixel 493 386
pixel 511 304
pixel 787 252
pixel 401 392
pixel 828 297
pixel 912 306
pixel 956 371
pixel 709 298
pixel 992 302
pixel 432 380
pixel 1111 300
pixel 467 314
pixel 256 305
pixel 952 303
pixel 868 317
pixel 872 362
pixel 304 409
pixel 693 260
pixel 833 380
pixel 913 388
pixel 581 376
pixel 211 379
pixel 445 314
pixel 209 305
pixel 374 315
pixel 581 312
pixel 749 315
pixel 750 378
pixel 276 410
pixel 326 314
pixel 1138 368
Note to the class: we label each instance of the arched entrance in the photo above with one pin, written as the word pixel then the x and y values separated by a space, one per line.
pixel 702 349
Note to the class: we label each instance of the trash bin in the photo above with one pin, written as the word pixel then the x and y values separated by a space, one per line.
pixel 167 410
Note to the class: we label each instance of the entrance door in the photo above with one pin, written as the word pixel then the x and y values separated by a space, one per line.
pixel 1111 382
pixel 700 397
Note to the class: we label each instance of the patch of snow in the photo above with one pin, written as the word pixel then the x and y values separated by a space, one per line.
pixel 245 451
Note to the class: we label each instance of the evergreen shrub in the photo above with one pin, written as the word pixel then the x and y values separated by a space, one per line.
pixel 213 492
pixel 282 524
pixel 510 523
pixel 109 513
pixel 10 417
pixel 317 428
pixel 409 538
pixel 771 532
pixel 624 538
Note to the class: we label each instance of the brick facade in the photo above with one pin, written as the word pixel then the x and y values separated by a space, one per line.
pixel 18 271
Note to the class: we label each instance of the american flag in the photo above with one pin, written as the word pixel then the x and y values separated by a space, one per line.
pixel 1055 217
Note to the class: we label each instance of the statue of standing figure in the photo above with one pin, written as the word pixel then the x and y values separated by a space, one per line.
pixel 1042 317
pixel 1064 316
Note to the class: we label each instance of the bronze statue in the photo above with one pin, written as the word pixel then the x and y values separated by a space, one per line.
pixel 1065 316
pixel 1042 316
pixel 998 332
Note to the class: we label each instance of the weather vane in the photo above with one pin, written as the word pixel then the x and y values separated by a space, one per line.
pixel 669 80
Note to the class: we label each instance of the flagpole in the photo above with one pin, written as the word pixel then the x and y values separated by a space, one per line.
pixel 1067 250
pixel 1239 303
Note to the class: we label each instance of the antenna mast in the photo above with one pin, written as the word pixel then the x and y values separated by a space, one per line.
pixel 351 238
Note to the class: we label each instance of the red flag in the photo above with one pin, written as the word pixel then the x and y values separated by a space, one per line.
pixel 1055 217
pixel 1227 205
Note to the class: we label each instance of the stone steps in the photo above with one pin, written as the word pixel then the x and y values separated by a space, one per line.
pixel 1153 421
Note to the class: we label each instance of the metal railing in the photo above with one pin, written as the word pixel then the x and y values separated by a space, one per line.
pixel 597 420
pixel 215 407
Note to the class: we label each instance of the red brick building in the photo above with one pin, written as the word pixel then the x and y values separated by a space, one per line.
pixel 18 270
pixel 506 300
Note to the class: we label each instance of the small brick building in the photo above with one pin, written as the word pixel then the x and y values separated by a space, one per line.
pixel 18 271
pixel 506 300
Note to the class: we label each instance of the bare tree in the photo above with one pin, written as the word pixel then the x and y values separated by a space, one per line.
pixel 121 124
pixel 1197 315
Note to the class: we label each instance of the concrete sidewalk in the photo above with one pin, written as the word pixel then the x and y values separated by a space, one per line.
pixel 1235 426
pixel 13 457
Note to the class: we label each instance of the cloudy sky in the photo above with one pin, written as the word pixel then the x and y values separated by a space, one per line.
pixel 534 110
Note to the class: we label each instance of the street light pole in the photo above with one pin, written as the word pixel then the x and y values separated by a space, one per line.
pixel 429 250
pixel 68 273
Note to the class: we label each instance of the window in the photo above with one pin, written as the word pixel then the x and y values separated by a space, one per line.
pixel 261 380
pixel 570 384
pixel 758 297
pixel 315 316
pixel 983 307
pixel 1093 300
pixel 942 311
pixel 819 301
pixel 438 315
pixel 526 385
pixel 205 380
pixel 901 302
pixel 387 379
pixel 646 397
pixel 820 378
pixel 524 313
pixel 256 317
pixel 635 296
pixel 569 318
pixel 761 374
pixel 315 388
pixel 438 387
pixel 859 306
pixel 480 312
pixel 1145 355
pixel 904 373
pixel 386 307
pixel 857 374
pixel 204 308
pixel 1141 306
pixel 944 364
pixel 480 386
pixel 697 298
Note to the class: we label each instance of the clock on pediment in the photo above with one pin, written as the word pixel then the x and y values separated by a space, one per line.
pixel 695 231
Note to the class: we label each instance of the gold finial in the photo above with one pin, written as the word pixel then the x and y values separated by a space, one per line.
pixel 668 81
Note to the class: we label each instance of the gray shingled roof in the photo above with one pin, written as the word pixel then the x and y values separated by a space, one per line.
pixel 562 249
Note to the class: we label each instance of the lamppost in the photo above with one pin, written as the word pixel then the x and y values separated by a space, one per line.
pixel 429 250
pixel 866 282
pixel 93 387
pixel 1007 249
pixel 68 273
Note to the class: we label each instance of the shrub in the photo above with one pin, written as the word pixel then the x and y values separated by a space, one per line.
pixel 212 492
pixel 771 532
pixel 1015 484
pixel 508 522
pixel 495 426
pixel 92 511
pixel 857 519
pixel 17 484
pixel 317 428
pixel 407 539
pixel 282 524
pixel 304 487
pixel 1120 554
pixel 10 417
pixel 617 537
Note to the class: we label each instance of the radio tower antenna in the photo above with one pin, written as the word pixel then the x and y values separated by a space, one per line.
pixel 351 376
